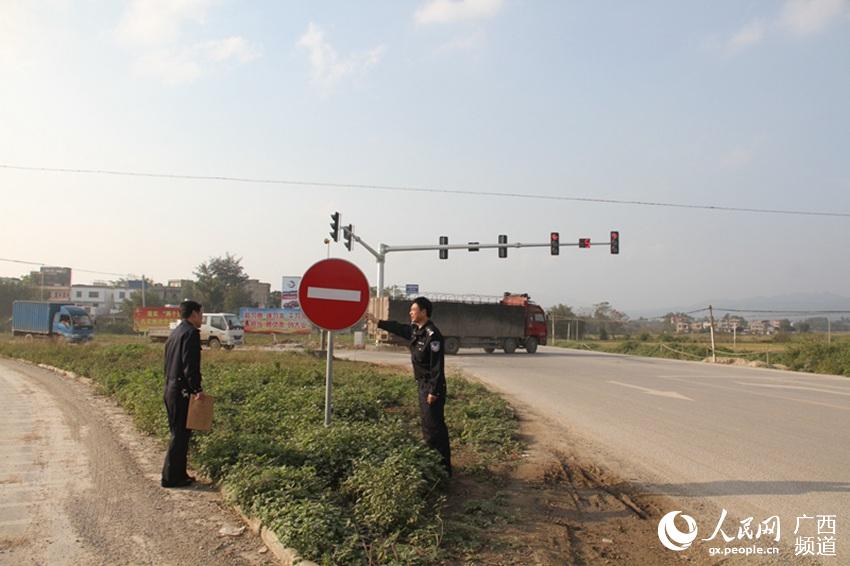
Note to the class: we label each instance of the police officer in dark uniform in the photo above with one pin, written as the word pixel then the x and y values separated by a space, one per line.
pixel 426 350
pixel 182 379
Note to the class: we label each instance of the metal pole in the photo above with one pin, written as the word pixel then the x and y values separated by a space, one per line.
pixel 711 329
pixel 734 334
pixel 553 328
pixel 143 290
pixel 380 290
pixel 329 374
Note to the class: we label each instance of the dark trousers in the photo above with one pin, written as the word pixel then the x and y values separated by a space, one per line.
pixel 434 429
pixel 177 407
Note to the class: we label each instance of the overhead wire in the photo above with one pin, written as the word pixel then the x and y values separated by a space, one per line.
pixel 432 190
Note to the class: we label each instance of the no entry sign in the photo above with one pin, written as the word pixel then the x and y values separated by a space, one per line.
pixel 334 294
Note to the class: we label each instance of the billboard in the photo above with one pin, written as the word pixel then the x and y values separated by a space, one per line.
pixel 289 293
pixel 149 318
pixel 275 321
pixel 288 319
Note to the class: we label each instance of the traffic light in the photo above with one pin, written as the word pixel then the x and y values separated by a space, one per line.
pixel 444 241
pixel 348 233
pixel 473 246
pixel 615 242
pixel 335 226
pixel 503 251
pixel 554 243
pixel 584 242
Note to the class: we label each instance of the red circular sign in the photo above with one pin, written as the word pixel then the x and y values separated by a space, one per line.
pixel 334 294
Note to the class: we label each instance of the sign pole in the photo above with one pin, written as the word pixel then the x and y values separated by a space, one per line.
pixel 329 374
pixel 333 294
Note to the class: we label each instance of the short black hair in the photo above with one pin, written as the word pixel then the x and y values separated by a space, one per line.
pixel 187 307
pixel 425 305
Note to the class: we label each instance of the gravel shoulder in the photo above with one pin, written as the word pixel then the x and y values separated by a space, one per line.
pixel 79 485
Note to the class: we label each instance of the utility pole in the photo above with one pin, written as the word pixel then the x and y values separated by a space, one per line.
pixel 711 329
pixel 143 290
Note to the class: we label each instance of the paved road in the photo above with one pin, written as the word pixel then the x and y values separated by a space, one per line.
pixel 79 486
pixel 756 442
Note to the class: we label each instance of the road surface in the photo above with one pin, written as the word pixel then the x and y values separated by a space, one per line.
pixel 79 486
pixel 756 442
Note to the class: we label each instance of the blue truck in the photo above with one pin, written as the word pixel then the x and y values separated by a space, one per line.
pixel 52 320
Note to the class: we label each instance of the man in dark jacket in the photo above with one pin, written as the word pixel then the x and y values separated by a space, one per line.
pixel 426 353
pixel 182 379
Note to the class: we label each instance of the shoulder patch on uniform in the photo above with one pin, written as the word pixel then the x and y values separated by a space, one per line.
pixel 435 346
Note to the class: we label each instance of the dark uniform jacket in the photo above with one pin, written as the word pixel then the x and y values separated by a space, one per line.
pixel 426 353
pixel 183 359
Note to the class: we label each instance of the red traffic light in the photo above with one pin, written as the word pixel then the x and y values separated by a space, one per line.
pixel 584 242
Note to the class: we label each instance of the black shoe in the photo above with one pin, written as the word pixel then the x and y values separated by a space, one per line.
pixel 180 483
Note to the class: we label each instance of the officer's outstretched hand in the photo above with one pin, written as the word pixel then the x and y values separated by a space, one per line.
pixel 431 399
pixel 371 318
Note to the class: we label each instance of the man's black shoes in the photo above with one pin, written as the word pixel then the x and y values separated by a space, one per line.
pixel 186 482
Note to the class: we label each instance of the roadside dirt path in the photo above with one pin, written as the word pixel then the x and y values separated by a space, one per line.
pixel 79 485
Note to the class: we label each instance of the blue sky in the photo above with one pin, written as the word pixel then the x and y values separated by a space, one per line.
pixel 738 103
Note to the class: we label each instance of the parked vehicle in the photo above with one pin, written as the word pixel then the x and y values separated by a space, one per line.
pixel 220 330
pixel 52 320
pixel 513 322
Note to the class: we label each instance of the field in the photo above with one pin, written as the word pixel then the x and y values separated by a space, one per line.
pixel 807 352
pixel 363 491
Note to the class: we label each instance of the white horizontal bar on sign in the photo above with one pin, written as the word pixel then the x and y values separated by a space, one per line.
pixel 333 294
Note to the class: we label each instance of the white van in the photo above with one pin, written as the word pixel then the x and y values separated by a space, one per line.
pixel 222 329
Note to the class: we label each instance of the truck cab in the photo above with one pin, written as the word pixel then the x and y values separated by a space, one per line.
pixel 222 330
pixel 536 330
pixel 73 324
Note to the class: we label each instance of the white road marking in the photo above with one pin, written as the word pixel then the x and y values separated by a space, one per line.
pixel 333 294
pixel 670 394
pixel 801 387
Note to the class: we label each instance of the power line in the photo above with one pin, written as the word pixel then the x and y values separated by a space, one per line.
pixel 757 311
pixel 433 190
pixel 41 263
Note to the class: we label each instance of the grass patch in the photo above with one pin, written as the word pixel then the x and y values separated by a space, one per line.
pixel 809 353
pixel 365 490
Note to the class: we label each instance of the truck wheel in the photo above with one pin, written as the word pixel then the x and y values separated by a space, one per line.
pixel 229 347
pixel 215 344
pixel 509 346
pixel 531 344
pixel 452 346
pixel 489 349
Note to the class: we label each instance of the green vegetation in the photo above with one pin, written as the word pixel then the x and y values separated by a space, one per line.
pixel 809 353
pixel 365 490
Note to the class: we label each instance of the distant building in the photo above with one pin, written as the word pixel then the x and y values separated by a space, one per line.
pixel 731 324
pixel 99 300
pixel 168 294
pixel 53 283
pixel 761 327
pixel 259 292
